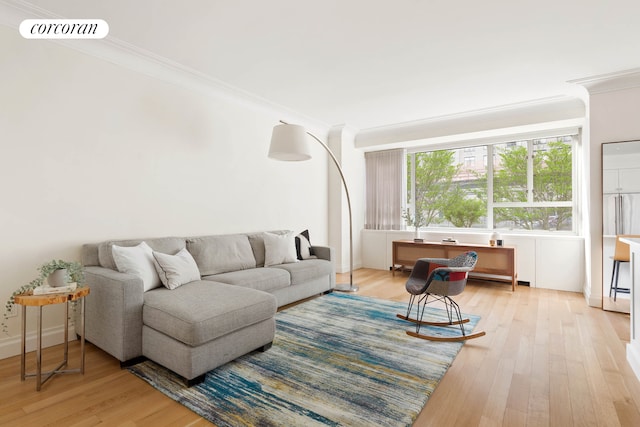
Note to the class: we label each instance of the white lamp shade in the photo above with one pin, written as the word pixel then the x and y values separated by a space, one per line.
pixel 289 142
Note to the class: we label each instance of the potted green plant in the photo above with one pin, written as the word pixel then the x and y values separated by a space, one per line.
pixel 56 272
pixel 414 221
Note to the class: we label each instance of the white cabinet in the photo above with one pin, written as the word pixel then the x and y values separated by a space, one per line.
pixel 625 180
pixel 610 181
pixel 629 180
pixel 552 262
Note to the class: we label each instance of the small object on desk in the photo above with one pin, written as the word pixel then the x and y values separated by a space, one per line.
pixel 45 289
pixel 450 241
pixel 418 240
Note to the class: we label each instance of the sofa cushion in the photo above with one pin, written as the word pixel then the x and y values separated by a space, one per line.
pixel 262 279
pixel 176 270
pixel 198 312
pixel 303 246
pixel 137 261
pixel 306 270
pixel 167 245
pixel 279 248
pixel 257 245
pixel 220 254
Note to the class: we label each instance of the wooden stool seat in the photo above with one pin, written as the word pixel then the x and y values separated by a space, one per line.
pixel 620 255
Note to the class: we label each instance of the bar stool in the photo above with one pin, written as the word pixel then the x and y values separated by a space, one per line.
pixel 621 254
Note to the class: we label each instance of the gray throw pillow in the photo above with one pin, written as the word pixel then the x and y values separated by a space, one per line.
pixel 176 270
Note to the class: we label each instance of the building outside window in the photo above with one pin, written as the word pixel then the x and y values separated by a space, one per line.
pixel 469 162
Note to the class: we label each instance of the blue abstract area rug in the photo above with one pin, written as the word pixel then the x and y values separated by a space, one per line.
pixel 337 360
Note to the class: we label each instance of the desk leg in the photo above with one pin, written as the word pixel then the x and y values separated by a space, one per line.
pixel 23 343
pixel 39 351
pixel 82 325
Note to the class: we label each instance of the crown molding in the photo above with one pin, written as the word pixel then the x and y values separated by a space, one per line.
pixel 610 82
pixel 546 111
pixel 129 56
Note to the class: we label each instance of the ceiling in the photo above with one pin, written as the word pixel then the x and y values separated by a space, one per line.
pixel 372 63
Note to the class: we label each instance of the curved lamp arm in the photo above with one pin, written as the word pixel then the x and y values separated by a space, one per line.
pixel 351 287
pixel 346 191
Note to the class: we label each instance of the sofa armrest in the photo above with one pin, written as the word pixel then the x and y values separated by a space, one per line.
pixel 114 312
pixel 323 252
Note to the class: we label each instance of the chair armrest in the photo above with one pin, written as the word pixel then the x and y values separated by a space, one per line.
pixel 323 252
pixel 441 261
pixel 113 319
pixel 454 269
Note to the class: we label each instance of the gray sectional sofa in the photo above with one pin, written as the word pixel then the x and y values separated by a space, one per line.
pixel 223 310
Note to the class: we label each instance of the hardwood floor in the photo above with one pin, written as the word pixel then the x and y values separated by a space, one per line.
pixel 547 360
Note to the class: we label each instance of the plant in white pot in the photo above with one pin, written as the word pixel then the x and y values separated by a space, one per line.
pixel 56 272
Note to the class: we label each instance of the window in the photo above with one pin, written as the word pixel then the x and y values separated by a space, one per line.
pixel 469 162
pixel 528 186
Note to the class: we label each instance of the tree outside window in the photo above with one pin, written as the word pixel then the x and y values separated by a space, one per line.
pixel 448 193
pixel 531 180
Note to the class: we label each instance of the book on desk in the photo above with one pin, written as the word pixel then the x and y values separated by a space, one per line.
pixel 46 290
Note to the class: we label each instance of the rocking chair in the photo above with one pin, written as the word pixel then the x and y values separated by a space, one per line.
pixel 439 279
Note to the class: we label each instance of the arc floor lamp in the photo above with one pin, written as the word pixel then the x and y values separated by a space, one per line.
pixel 289 143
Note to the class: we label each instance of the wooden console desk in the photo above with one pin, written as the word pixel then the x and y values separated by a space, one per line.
pixel 494 260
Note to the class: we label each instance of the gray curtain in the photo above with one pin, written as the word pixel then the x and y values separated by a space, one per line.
pixel 384 189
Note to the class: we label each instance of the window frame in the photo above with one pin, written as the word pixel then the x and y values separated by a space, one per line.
pixel 466 146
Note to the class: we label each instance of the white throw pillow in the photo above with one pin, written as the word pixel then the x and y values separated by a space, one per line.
pixel 137 261
pixel 279 248
pixel 176 270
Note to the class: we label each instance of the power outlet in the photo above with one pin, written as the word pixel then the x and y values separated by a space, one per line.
pixel 13 311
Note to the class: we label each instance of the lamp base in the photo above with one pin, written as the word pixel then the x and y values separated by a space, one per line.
pixel 346 287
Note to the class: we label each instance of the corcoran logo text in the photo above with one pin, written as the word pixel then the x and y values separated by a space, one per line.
pixel 64 29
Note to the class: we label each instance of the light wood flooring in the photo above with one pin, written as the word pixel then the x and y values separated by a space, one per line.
pixel 547 360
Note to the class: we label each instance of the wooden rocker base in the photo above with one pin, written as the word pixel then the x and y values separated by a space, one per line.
pixel 424 322
pixel 449 339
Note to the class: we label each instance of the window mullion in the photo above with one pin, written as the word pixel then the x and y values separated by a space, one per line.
pixel 532 205
pixel 530 171
pixel 412 196
pixel 490 223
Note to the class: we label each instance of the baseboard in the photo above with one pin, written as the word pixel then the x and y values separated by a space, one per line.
pixel 595 301
pixel 10 347
pixel 633 357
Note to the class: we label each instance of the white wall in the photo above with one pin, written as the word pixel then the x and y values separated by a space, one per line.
pixel 94 151
pixel 614 102
pixel 341 142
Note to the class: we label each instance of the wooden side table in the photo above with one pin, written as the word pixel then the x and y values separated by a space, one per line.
pixel 40 301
